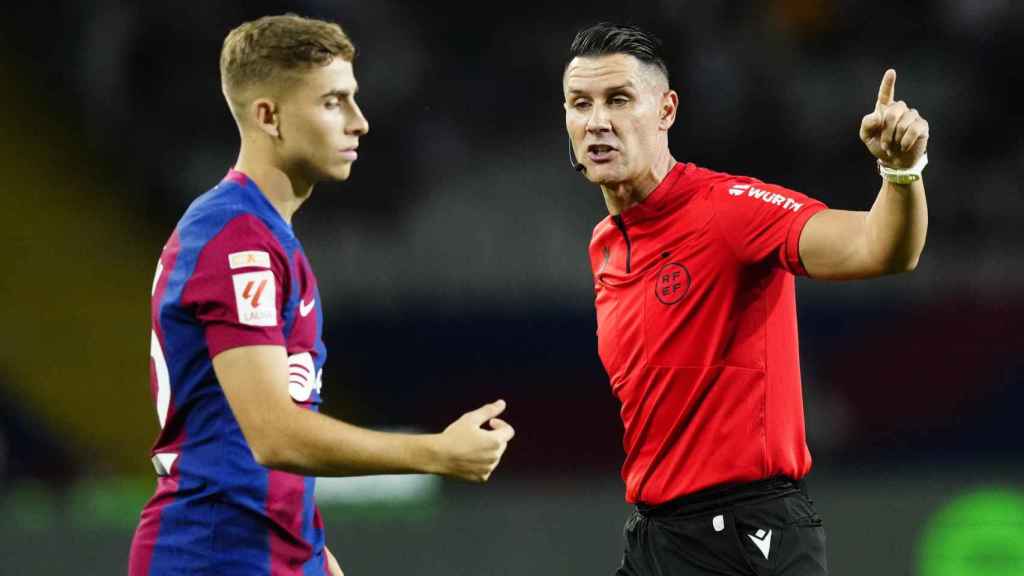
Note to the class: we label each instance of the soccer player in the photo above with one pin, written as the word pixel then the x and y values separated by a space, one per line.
pixel 696 317
pixel 236 352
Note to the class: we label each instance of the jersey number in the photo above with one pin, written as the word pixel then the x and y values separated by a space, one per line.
pixel 163 378
pixel 156 354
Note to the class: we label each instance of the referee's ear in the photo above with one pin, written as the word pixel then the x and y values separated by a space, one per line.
pixel 264 112
pixel 669 105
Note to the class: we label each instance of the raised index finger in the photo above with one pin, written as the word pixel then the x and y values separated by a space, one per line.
pixel 886 90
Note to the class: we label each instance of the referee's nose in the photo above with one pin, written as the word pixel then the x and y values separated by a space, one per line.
pixel 598 120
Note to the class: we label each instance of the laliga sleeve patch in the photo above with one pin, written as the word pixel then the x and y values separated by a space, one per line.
pixel 249 259
pixel 256 298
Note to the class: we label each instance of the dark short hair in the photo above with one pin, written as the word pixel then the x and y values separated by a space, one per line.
pixel 605 38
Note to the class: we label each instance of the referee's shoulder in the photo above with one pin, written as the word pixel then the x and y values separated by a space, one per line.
pixel 710 179
pixel 602 227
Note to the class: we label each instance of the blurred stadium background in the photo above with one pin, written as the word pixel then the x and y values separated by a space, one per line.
pixel 453 267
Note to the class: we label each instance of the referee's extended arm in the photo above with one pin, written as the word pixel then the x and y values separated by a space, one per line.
pixel 845 245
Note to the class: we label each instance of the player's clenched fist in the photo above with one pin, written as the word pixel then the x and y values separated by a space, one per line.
pixel 894 133
pixel 470 452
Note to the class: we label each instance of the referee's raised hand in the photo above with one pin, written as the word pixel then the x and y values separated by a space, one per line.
pixel 468 451
pixel 894 133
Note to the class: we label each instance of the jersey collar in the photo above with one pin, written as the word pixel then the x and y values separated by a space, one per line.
pixel 659 200
pixel 249 185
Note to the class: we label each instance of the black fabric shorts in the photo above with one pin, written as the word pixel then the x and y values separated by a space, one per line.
pixel 765 528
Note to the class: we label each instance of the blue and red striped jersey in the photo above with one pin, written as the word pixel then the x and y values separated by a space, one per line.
pixel 232 274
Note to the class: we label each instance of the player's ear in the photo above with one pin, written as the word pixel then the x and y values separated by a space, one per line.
pixel 669 107
pixel 266 117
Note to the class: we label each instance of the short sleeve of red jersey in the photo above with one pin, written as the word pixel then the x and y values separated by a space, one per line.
pixel 239 286
pixel 762 222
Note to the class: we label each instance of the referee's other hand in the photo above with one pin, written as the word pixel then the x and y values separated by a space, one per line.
pixel 469 451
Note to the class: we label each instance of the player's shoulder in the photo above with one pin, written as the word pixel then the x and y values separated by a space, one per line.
pixel 232 212
pixel 218 205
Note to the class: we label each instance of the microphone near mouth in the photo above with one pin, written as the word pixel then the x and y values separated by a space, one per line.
pixel 574 162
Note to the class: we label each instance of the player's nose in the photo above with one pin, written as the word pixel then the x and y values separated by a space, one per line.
pixel 357 125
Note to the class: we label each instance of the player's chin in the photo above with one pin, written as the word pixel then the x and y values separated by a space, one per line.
pixel 338 172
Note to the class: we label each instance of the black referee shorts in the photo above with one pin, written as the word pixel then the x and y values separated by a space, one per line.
pixel 763 528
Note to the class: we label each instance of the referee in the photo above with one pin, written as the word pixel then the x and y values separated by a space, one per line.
pixel 696 314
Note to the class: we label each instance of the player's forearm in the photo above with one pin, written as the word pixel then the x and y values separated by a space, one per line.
pixel 312 444
pixel 896 226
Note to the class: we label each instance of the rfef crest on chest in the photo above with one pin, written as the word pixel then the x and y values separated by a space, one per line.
pixel 672 283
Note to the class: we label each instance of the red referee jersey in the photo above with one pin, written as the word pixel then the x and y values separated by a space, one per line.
pixel 696 327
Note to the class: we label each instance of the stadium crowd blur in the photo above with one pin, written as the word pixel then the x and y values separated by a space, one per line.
pixel 453 263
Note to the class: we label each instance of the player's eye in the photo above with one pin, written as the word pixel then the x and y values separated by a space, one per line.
pixel 331 104
pixel 581 104
pixel 620 100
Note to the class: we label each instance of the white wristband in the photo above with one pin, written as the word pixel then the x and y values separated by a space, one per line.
pixel 905 176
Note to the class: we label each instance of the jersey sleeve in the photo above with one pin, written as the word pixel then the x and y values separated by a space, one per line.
pixel 762 222
pixel 239 286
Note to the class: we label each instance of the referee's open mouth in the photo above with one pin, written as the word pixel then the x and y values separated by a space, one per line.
pixel 601 152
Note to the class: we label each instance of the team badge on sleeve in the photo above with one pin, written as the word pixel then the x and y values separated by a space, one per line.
pixel 249 259
pixel 256 298
pixel 303 377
